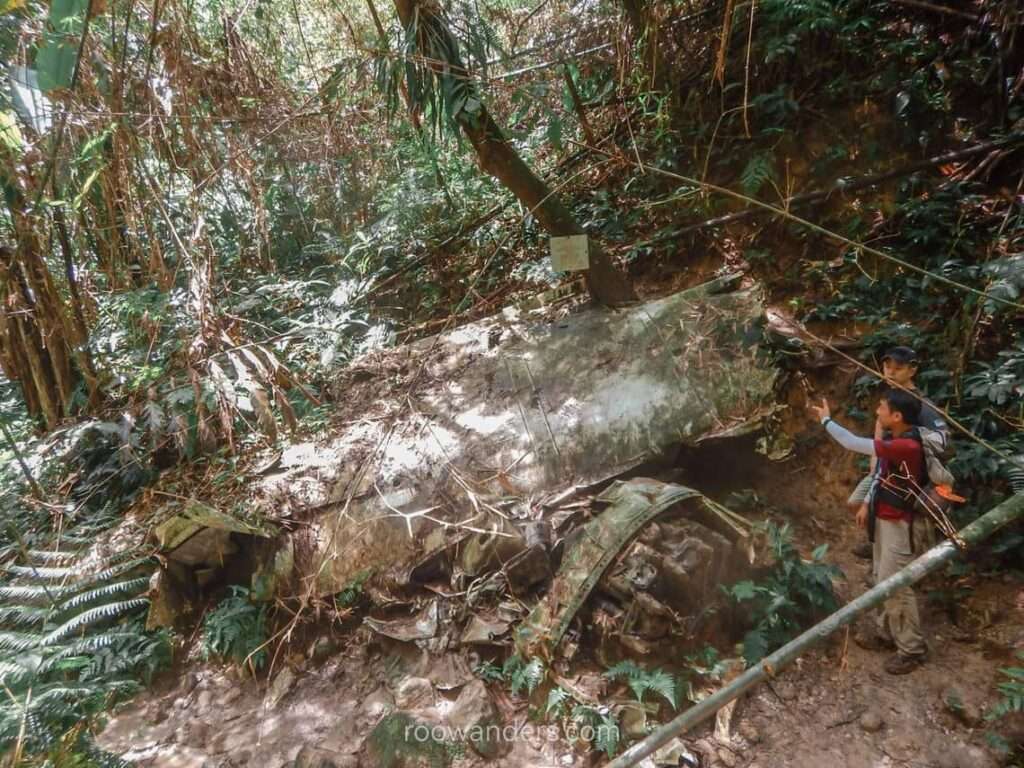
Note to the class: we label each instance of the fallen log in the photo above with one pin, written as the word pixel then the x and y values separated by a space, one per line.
pixel 1010 510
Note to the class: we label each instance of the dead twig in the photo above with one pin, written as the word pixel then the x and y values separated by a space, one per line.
pixel 853 717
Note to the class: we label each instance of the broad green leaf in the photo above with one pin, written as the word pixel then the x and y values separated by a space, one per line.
pixel 10 135
pixel 55 64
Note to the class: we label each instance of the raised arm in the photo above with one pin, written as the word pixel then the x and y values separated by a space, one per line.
pixel 841 434
pixel 850 441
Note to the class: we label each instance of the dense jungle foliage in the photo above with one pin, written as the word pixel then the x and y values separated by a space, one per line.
pixel 210 207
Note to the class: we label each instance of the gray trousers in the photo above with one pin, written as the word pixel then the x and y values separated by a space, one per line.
pixel 899 618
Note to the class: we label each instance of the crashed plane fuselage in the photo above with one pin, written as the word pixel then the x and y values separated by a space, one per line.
pixel 499 413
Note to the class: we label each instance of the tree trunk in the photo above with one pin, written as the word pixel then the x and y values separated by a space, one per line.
pixel 77 321
pixel 607 285
pixel 40 338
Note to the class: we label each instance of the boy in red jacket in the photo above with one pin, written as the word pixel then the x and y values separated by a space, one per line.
pixel 901 470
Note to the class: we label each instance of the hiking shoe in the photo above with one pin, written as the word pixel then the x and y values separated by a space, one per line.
pixel 873 640
pixel 901 664
pixel 865 550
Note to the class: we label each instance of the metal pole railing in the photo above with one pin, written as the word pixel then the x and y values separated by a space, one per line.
pixel 1005 513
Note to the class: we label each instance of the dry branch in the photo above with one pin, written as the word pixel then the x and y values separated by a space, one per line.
pixel 843 185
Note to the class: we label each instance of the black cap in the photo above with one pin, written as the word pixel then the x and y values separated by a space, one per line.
pixel 904 355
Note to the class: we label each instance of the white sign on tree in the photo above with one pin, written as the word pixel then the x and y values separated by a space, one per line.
pixel 570 254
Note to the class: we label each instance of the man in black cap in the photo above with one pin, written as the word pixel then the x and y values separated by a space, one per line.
pixel 899 366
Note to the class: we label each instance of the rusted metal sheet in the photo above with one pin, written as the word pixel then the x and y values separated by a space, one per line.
pixel 634 504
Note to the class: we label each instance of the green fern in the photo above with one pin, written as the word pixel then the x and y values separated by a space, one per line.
pixel 50 557
pixel 19 641
pixel 489 672
pixel 105 592
pixel 13 675
pixel 236 630
pixel 35 594
pixel 92 616
pixel 602 725
pixel 524 675
pixel 121 566
pixel 558 699
pixel 46 573
pixel 72 641
pixel 759 170
pixel 1011 689
pixel 640 681
pixel 22 615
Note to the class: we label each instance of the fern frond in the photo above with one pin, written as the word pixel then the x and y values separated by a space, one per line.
pixel 93 615
pixel 19 641
pixel 131 586
pixel 529 676
pixel 33 593
pixel 625 668
pixel 22 615
pixel 640 681
pixel 66 698
pixel 85 646
pixel 13 675
pixel 120 569
pixel 48 557
pixel 45 573
pixel 759 170
pixel 557 699
pixel 662 683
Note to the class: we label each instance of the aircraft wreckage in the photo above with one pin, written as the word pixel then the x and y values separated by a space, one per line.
pixel 469 456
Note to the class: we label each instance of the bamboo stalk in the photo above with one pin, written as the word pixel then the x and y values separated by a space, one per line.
pixel 1005 513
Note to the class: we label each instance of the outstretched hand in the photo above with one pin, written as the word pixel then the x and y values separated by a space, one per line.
pixel 822 411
